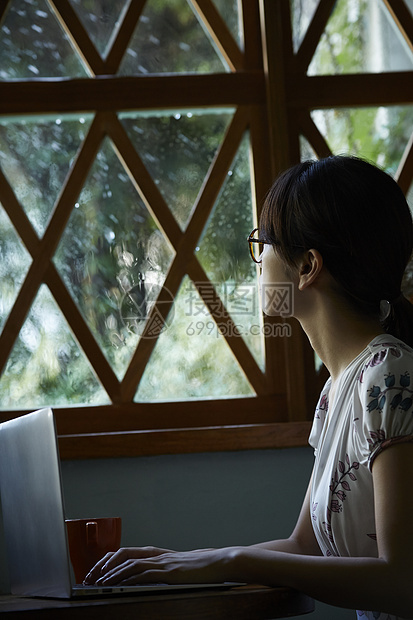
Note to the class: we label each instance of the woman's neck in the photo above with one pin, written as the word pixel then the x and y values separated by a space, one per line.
pixel 338 335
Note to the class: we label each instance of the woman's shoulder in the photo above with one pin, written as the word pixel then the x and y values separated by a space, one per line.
pixel 386 376
pixel 385 353
pixel 385 395
pixel 388 342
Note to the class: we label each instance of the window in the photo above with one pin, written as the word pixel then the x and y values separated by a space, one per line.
pixel 137 141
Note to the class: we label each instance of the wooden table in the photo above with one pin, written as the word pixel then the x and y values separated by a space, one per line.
pixel 240 603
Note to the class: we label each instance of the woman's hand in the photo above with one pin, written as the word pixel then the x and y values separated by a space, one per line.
pixel 135 566
pixel 119 557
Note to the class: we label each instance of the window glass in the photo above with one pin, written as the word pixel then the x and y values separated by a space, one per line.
pixel 14 264
pixel 169 38
pixel 100 18
pixel 46 365
pixel 231 11
pixel 191 352
pixel 377 134
pixel 113 257
pixel 302 12
pixel 222 254
pixel 36 155
pixel 361 36
pixel 191 358
pixel 32 44
pixel 306 150
pixel 177 148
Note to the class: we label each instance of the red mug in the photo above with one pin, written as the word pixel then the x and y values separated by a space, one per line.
pixel 89 540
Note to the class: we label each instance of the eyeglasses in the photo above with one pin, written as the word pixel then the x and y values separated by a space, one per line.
pixel 257 249
pixel 256 246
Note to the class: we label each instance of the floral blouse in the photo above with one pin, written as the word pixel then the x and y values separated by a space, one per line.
pixel 372 409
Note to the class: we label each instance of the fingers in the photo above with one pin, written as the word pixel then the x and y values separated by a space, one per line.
pixel 112 560
pixel 107 563
pixel 96 571
pixel 121 556
pixel 132 572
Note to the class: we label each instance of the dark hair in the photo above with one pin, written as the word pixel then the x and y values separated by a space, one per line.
pixel 357 217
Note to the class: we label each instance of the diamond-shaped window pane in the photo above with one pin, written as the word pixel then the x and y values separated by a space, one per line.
pixel 35 155
pixel 100 19
pixel 46 365
pixel 377 134
pixel 190 355
pixel 302 12
pixel 14 265
pixel 32 44
pixel 231 11
pixel 113 258
pixel 361 37
pixel 170 39
pixel 177 148
pixel 223 252
pixel 306 150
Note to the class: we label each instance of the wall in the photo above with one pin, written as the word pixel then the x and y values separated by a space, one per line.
pixel 192 501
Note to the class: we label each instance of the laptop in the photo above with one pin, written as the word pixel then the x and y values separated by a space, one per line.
pixel 34 519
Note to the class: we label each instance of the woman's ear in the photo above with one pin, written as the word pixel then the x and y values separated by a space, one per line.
pixel 309 268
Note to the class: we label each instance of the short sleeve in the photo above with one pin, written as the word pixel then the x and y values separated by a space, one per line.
pixel 320 415
pixel 386 398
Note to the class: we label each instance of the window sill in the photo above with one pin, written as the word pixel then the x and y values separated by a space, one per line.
pixel 184 440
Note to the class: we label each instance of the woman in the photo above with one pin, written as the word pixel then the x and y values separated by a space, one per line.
pixel 340 230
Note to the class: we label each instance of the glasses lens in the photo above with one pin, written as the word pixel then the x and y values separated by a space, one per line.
pixel 256 247
pixel 259 249
pixel 256 251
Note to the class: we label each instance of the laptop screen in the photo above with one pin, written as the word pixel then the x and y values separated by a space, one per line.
pixel 32 505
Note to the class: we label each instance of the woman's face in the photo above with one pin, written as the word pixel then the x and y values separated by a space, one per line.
pixel 276 284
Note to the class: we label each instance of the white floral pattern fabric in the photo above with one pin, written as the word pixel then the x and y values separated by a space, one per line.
pixel 372 409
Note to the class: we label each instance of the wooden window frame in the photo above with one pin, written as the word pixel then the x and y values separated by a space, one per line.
pixel 273 97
